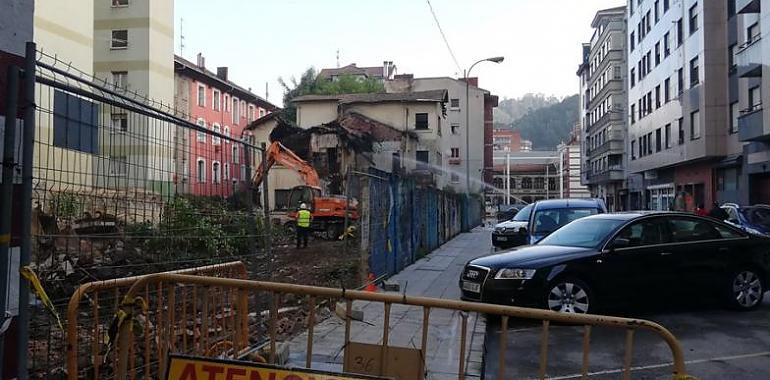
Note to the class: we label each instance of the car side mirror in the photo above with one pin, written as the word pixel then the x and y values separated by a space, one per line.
pixel 522 230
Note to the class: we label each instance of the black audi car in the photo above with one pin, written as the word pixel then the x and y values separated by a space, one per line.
pixel 611 259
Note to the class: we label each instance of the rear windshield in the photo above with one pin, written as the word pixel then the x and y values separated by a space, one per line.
pixel 547 221
pixel 523 214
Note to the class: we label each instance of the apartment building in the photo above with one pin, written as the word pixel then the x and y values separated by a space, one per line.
pixel 384 72
pixel 477 110
pixel 603 100
pixel 570 154
pixel 133 52
pixel 212 165
pixel 527 176
pixel 749 64
pixel 681 91
pixel 507 140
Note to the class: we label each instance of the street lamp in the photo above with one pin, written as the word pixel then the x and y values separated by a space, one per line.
pixel 467 73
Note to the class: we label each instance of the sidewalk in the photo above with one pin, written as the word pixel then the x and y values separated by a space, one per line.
pixel 436 275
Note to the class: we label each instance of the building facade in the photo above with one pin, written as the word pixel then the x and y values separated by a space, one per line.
pixel 570 155
pixel 211 165
pixel 526 177
pixel 750 65
pixel 603 100
pixel 680 97
pixel 507 140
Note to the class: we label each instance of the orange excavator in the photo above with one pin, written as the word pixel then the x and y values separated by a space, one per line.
pixel 328 210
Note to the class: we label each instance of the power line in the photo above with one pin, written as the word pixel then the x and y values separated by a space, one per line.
pixel 444 36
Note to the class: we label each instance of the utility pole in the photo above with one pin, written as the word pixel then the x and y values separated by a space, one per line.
pixel 507 178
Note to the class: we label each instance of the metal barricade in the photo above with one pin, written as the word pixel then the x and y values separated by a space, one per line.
pixel 93 307
pixel 251 291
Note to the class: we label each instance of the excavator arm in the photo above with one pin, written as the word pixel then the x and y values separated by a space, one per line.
pixel 278 153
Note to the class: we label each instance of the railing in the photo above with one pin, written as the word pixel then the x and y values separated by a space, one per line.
pixel 100 296
pixel 276 292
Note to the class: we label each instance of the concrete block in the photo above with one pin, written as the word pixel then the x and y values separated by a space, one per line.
pixel 390 286
pixel 355 313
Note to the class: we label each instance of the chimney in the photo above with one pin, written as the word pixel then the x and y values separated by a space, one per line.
pixel 385 69
pixel 222 73
pixel 201 61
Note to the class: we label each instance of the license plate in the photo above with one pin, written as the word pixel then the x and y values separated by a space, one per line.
pixel 502 238
pixel 472 287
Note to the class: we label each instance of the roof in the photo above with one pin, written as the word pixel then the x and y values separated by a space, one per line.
pixel 352 69
pixel 629 215
pixel 358 124
pixel 411 97
pixel 264 119
pixel 571 202
pixel 202 74
pixel 616 11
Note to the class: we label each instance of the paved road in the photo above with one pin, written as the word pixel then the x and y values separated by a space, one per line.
pixel 718 344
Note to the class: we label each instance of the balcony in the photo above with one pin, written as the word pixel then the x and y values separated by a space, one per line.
pixel 612 174
pixel 454 161
pixel 749 59
pixel 614 145
pixel 751 126
pixel 611 116
pixel 747 6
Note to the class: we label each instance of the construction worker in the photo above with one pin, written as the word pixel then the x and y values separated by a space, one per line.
pixel 303 225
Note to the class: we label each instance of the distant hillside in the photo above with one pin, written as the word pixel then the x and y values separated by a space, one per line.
pixel 510 110
pixel 549 125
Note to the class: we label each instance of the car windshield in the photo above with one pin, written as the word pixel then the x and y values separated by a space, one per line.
pixel 523 215
pixel 757 215
pixel 586 233
pixel 547 221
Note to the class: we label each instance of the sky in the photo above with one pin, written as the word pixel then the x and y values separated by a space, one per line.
pixel 262 40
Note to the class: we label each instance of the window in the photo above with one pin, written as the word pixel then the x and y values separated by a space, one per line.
pixel 755 98
pixel 646 232
pixel 730 8
pixel 667 132
pixel 648 65
pixel 455 129
pixel 694 18
pixel 657 13
pixel 454 103
pixel 734 117
pixel 455 153
pixel 633 77
pixel 227 103
pixel 119 39
pixel 455 178
pixel 658 140
pixel 120 79
pixel 526 183
pixel 665 5
pixel 667 90
pixel 695 125
pixel 649 143
pixel 252 113
pixel 633 149
pixel 201 95
pixel 201 170
pixel 227 171
pixel 261 112
pixel 216 172
pixel 680 81
pixel 75 123
pixel 686 230
pixel 666 46
pixel 216 140
pixel 119 3
pixel 647 22
pixel 694 74
pixel 215 100
pixel 680 122
pixel 657 54
pixel 421 121
pixel 226 132
pixel 235 110
pixel 731 58
pixel 632 41
pixel 657 96
pixel 236 154
pixel 202 133
pixel 118 166
pixel 679 33
pixel 633 113
pixel 752 33
pixel 243 109
pixel 631 7
pixel 119 123
pixel 423 157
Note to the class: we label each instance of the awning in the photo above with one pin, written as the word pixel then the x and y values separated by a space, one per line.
pixel 730 160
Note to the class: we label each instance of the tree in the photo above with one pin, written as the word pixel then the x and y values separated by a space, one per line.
pixel 310 84
pixel 548 126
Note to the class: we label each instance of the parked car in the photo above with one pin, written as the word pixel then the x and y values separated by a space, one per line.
pixel 610 259
pixel 513 232
pixel 549 215
pixel 507 213
pixel 752 219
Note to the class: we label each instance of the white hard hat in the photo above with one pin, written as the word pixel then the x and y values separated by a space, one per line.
pixel 303 206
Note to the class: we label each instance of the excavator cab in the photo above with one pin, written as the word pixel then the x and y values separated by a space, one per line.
pixel 303 194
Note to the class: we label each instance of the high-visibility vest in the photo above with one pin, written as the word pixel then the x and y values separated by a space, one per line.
pixel 303 218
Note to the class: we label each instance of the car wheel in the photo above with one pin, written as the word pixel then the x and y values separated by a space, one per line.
pixel 746 289
pixel 570 295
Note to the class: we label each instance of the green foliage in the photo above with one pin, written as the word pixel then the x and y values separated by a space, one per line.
pixel 65 205
pixel 310 84
pixel 548 126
